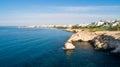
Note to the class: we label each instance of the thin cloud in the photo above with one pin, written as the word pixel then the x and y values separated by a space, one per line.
pixel 57 15
pixel 86 8
pixel 60 15
pixel 59 18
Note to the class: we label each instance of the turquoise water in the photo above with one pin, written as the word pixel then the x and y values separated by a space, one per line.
pixel 27 47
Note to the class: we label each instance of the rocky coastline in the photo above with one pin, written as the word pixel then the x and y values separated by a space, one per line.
pixel 101 40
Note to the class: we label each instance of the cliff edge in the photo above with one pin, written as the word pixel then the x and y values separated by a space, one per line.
pixel 101 39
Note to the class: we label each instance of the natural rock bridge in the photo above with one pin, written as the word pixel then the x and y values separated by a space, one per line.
pixel 101 39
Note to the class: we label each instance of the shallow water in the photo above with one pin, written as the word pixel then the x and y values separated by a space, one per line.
pixel 27 47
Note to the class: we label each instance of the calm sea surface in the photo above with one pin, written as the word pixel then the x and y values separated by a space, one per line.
pixel 27 47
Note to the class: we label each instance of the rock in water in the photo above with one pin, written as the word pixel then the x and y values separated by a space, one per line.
pixel 69 46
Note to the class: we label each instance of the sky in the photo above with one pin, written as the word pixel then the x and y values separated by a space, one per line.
pixel 57 12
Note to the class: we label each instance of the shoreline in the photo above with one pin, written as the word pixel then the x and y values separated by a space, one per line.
pixel 101 40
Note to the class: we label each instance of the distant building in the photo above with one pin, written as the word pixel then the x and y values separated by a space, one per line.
pixel 100 23
pixel 83 25
pixel 115 24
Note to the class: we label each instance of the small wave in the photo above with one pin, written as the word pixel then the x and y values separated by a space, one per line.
pixel 63 48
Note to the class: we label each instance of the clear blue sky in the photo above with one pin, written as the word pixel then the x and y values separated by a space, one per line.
pixel 39 12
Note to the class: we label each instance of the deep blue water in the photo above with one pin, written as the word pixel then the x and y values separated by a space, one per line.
pixel 37 47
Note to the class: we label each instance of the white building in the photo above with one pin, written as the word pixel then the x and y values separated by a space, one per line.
pixel 115 24
pixel 100 23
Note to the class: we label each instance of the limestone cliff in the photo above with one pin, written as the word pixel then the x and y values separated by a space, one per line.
pixel 107 42
pixel 102 39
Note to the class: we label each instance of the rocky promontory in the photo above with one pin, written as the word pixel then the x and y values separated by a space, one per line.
pixel 106 41
pixel 100 40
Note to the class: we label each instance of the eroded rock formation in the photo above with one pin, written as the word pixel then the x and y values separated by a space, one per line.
pixel 107 42
pixel 69 46
pixel 102 40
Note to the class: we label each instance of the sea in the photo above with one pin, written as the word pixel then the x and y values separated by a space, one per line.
pixel 43 47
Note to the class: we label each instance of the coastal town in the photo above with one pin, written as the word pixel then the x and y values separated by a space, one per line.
pixel 100 24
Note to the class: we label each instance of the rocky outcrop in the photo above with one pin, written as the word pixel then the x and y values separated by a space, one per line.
pixel 69 46
pixel 102 40
pixel 79 36
pixel 73 30
pixel 105 42
pixel 82 36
